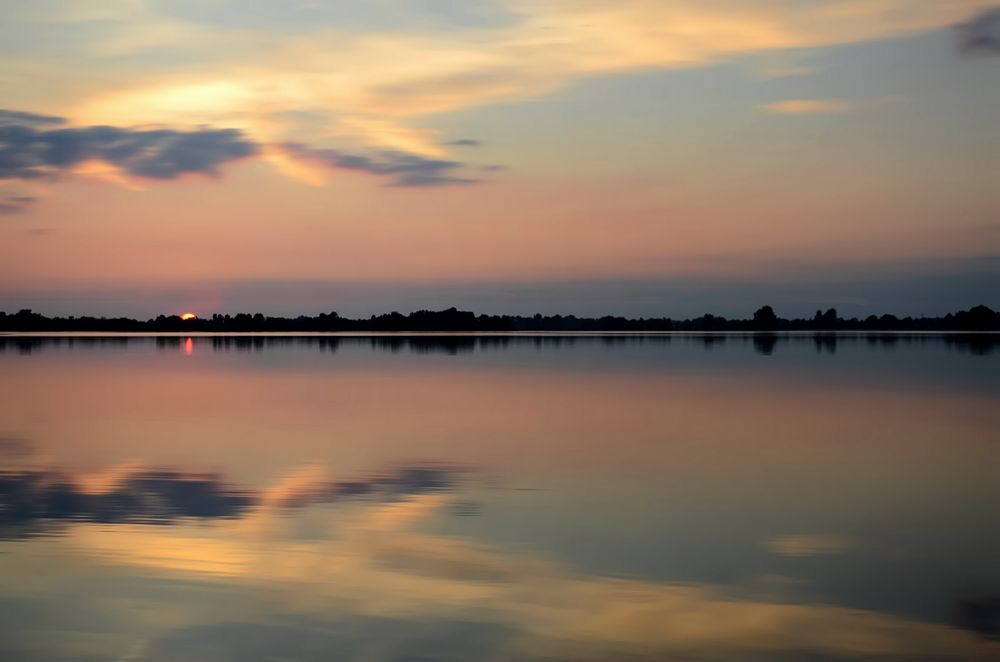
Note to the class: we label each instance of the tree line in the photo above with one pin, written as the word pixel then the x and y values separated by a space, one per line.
pixel 978 318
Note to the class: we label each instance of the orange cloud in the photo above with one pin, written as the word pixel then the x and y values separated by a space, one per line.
pixel 369 85
pixel 809 106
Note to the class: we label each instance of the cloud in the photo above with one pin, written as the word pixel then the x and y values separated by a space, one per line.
pixel 801 545
pixel 403 169
pixel 29 152
pixel 372 86
pixel 13 203
pixel 809 106
pixel 464 142
pixel 20 117
pixel 981 34
pixel 370 83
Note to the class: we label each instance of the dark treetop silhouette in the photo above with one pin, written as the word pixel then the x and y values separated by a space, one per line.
pixel 979 318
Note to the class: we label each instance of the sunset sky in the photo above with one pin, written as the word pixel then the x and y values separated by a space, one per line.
pixel 639 157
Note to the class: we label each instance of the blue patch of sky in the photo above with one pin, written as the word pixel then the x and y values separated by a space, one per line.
pixel 913 94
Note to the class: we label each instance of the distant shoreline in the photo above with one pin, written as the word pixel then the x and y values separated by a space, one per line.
pixel 452 321
pixel 481 334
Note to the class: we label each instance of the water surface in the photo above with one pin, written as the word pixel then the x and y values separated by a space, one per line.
pixel 499 498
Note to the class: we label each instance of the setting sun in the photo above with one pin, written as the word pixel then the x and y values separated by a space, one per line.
pixel 189 316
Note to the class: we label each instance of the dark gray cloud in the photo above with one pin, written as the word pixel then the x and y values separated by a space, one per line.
pixel 403 169
pixel 981 34
pixel 34 146
pixel 20 117
pixel 464 142
pixel 30 152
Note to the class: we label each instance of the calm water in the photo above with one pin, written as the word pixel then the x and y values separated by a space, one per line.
pixel 687 497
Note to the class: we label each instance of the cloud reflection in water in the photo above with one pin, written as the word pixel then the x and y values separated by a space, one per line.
pixel 369 580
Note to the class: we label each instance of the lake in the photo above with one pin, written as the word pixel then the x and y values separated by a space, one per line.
pixel 689 497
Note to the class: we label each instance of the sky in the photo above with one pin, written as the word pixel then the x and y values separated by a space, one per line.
pixel 641 157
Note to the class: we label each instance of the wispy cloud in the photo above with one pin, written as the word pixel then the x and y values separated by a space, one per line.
pixel 402 169
pixel 464 142
pixel 809 106
pixel 370 83
pixel 981 34
pixel 31 150
pixel 31 119
pixel 799 545
pixel 12 203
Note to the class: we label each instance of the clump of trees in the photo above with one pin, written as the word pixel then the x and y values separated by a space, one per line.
pixel 978 318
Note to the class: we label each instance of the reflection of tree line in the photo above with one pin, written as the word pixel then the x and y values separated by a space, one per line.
pixel 762 342
pixel 33 500
pixel 978 318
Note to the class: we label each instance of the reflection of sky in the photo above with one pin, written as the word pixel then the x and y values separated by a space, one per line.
pixel 596 499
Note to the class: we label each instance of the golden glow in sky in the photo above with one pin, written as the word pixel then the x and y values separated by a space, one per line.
pixel 202 146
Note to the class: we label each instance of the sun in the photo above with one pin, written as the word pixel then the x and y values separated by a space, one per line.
pixel 189 316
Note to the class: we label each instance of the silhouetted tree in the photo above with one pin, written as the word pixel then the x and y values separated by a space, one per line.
pixel 764 319
pixel 826 321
